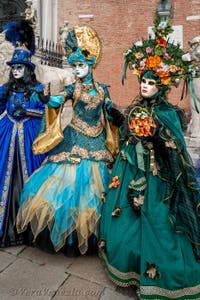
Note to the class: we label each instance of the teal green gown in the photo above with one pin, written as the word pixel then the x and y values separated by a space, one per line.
pixel 60 205
pixel 150 224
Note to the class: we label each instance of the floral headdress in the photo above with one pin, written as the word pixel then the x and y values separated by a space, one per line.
pixel 166 59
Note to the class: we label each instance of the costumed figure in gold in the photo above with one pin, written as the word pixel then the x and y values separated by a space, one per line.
pixel 61 203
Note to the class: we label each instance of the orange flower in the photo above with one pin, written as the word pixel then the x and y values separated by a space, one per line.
pixel 161 42
pixel 139 55
pixel 115 182
pixel 153 61
pixel 173 68
pixel 142 126
pixel 164 76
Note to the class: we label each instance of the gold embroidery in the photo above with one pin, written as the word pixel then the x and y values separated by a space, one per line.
pixel 78 153
pixel 87 88
pixel 120 278
pixel 85 129
pixel 80 94
pixel 170 144
pixel 17 128
pixel 92 103
pixel 153 290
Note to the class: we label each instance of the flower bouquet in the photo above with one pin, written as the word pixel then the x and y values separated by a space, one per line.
pixel 141 123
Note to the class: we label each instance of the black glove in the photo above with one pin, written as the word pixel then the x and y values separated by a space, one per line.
pixel 44 98
pixel 117 116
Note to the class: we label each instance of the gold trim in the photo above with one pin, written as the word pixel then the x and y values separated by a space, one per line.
pixel 132 277
pixel 153 290
pixel 82 154
pixel 17 128
pixel 87 131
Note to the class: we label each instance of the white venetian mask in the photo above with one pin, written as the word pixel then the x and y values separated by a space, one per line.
pixel 18 70
pixel 81 69
pixel 148 87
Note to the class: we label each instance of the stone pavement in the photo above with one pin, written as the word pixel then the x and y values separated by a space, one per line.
pixel 28 273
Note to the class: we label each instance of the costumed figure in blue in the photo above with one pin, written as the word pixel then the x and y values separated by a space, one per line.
pixel 61 202
pixel 21 108
pixel 150 225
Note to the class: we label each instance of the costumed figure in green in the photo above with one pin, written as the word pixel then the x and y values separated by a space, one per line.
pixel 150 225
pixel 61 203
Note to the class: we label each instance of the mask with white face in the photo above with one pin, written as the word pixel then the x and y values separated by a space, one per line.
pixel 81 69
pixel 18 70
pixel 148 87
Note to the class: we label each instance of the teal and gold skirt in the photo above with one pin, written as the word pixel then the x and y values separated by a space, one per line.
pixel 64 198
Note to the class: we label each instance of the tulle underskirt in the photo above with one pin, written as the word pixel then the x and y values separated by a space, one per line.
pixel 66 199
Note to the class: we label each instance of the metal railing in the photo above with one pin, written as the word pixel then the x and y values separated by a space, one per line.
pixel 50 53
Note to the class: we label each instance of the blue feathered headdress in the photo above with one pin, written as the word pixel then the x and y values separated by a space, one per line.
pixel 21 35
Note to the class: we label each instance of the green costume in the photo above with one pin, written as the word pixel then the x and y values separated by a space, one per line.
pixel 150 224
pixel 150 229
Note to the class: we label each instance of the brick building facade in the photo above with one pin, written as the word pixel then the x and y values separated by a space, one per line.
pixel 119 23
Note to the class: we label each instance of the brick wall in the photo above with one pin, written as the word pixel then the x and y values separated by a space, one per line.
pixel 119 23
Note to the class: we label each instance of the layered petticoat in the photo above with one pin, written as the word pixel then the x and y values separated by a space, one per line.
pixel 64 198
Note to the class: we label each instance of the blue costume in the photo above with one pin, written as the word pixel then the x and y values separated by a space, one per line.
pixel 21 108
pixel 17 133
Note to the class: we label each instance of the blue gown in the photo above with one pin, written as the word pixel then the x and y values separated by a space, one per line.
pixel 17 163
pixel 63 198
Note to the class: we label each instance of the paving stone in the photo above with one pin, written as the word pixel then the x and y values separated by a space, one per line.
pixel 109 294
pixel 5 260
pixel 25 280
pixel 40 257
pixel 76 288
pixel 28 273
pixel 90 268
pixel 128 291
pixel 14 250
